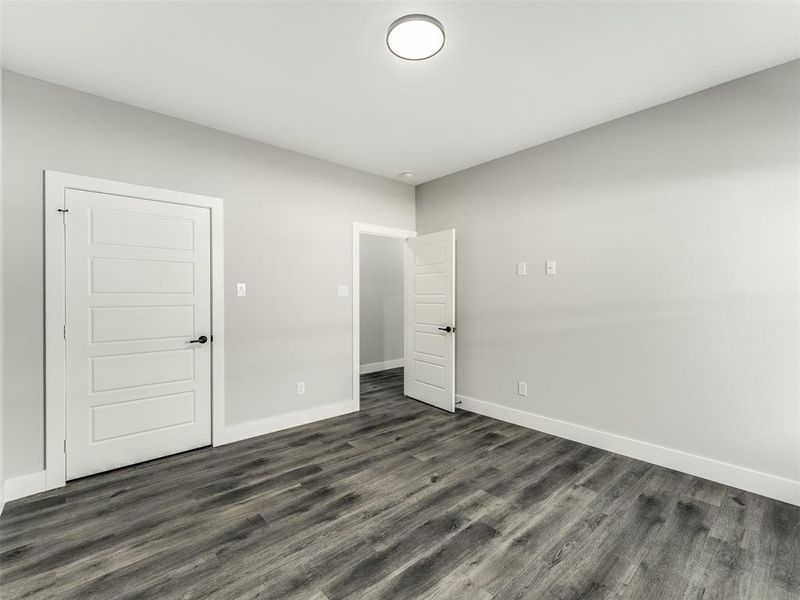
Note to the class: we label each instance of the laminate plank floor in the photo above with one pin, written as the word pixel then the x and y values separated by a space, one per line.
pixel 399 501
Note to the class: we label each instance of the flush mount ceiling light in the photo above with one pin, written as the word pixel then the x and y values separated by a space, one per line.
pixel 415 37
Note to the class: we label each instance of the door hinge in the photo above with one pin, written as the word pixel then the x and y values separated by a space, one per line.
pixel 65 333
pixel 65 446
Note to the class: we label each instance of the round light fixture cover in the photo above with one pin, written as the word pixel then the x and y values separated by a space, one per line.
pixel 415 37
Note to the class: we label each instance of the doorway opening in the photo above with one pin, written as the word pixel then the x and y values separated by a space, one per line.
pixel 381 317
pixel 378 313
pixel 404 289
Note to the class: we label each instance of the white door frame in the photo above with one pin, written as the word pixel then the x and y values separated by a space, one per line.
pixel 55 186
pixel 358 229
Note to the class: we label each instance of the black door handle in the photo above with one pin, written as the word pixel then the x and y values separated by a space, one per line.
pixel 201 340
pixel 448 329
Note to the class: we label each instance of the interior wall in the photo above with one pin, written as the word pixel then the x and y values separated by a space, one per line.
pixel 381 306
pixel 673 316
pixel 2 294
pixel 288 236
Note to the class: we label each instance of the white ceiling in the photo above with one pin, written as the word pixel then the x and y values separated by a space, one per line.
pixel 317 77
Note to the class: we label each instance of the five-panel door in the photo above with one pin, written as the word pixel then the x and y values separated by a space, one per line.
pixel 430 319
pixel 138 287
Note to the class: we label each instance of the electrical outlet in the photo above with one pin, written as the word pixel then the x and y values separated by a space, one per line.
pixel 344 291
pixel 550 267
pixel 522 269
pixel 301 388
pixel 522 388
pixel 241 290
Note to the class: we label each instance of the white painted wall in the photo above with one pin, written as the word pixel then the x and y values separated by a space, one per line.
pixel 381 306
pixel 288 235
pixel 673 318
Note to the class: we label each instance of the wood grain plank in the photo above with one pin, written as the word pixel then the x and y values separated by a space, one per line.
pixel 399 501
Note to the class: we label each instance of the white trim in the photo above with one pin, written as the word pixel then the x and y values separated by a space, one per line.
pixel 55 184
pixel 382 365
pixel 33 483
pixel 249 429
pixel 358 229
pixel 772 486
pixel 25 485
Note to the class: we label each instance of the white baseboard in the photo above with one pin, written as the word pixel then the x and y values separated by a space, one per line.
pixel 757 482
pixel 25 485
pixel 382 366
pixel 765 484
pixel 33 483
pixel 243 431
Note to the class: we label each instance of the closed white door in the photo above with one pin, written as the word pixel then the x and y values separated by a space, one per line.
pixel 430 348
pixel 137 303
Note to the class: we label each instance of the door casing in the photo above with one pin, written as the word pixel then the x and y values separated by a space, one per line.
pixel 55 185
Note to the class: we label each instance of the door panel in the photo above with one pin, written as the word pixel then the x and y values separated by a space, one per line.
pixel 430 374
pixel 430 308
pixel 433 344
pixel 129 323
pixel 430 314
pixel 119 228
pixel 429 284
pixel 138 289
pixel 122 371
pixel 126 276
pixel 133 417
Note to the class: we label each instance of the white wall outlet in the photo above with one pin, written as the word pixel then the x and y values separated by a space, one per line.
pixel 344 291
pixel 522 388
pixel 522 269
pixel 241 290
pixel 301 388
pixel 550 267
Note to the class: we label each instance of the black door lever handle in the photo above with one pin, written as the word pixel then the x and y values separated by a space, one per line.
pixel 448 329
pixel 201 340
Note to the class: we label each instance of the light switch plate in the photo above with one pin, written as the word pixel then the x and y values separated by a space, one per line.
pixel 241 290
pixel 344 291
pixel 550 267
pixel 522 268
pixel 301 388
pixel 522 388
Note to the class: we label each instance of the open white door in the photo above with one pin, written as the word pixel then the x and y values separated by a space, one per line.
pixel 430 308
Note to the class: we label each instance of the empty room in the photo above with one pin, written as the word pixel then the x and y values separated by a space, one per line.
pixel 378 300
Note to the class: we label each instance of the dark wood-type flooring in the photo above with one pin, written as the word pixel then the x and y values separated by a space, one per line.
pixel 399 501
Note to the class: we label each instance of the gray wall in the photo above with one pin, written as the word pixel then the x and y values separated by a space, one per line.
pixel 381 306
pixel 288 232
pixel 2 293
pixel 674 314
